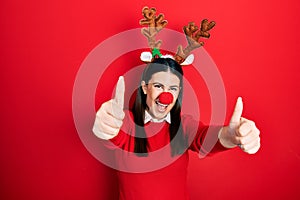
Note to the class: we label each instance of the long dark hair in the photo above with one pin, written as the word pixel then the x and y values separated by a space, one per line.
pixel 178 144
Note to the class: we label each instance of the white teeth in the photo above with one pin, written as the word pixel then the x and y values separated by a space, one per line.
pixel 165 105
pixel 162 104
pixel 161 107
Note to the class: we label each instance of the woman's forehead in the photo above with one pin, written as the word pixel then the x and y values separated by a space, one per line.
pixel 166 78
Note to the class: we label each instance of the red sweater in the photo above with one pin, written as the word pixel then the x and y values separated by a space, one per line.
pixel 159 175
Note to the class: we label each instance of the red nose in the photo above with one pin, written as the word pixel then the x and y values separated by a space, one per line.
pixel 165 98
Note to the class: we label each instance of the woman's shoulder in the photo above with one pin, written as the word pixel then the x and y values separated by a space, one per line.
pixel 190 122
pixel 187 118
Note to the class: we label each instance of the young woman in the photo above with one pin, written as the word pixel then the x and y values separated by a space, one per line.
pixel 155 130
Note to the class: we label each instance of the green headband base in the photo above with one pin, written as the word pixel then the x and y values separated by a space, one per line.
pixel 156 52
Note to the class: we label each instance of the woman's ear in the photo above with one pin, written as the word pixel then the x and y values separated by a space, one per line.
pixel 144 87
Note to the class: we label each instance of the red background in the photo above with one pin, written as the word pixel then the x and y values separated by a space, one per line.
pixel 43 43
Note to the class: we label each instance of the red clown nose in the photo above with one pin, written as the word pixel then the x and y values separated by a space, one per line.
pixel 165 98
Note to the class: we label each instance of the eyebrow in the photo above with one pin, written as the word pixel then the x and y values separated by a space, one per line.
pixel 164 85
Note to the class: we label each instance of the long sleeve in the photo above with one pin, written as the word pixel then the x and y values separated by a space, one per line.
pixel 202 139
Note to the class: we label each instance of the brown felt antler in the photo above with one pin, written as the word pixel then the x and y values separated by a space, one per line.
pixel 155 24
pixel 193 34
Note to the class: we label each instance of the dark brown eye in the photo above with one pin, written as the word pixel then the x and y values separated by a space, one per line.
pixel 174 89
pixel 157 86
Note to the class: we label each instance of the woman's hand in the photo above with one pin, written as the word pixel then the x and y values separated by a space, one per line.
pixel 240 132
pixel 109 117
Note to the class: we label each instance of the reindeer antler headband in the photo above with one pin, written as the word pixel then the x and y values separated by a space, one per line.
pixel 157 23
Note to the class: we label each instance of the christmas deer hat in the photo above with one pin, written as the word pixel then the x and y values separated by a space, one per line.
pixel 157 23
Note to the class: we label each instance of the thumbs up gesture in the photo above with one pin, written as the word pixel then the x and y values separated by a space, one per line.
pixel 109 117
pixel 240 132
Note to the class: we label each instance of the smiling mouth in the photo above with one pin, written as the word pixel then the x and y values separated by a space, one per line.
pixel 161 107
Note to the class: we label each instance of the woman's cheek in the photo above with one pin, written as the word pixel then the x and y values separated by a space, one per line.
pixel 175 98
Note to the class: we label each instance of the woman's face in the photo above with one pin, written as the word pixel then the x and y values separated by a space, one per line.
pixel 161 82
